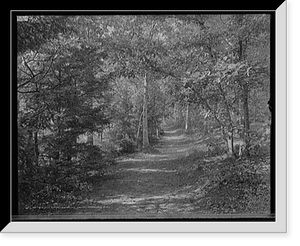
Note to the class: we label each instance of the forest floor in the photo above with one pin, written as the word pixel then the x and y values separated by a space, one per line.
pixel 146 185
pixel 178 179
pixel 170 182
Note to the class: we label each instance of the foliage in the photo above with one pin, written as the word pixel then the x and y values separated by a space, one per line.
pixel 215 147
pixel 33 31
pixel 60 98
pixel 260 140
pixel 238 187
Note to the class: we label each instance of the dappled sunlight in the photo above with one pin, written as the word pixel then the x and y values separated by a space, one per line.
pixel 146 158
pixel 145 170
pixel 174 138
pixel 173 145
pixel 164 199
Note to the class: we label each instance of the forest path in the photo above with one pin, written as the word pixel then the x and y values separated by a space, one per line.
pixel 148 185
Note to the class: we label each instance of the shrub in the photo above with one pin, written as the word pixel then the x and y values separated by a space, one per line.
pixel 61 183
pixel 127 145
pixel 237 186
pixel 215 147
pixel 260 142
pixel 47 186
pixel 111 148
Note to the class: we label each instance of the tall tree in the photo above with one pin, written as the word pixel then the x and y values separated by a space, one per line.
pixel 145 115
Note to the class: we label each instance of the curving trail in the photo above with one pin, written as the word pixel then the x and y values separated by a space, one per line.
pixel 146 186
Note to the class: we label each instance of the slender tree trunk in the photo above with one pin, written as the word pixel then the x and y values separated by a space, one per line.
pixel 101 135
pixel 240 112
pixel 90 138
pixel 90 135
pixel 245 92
pixel 229 134
pixel 138 130
pixel 187 117
pixel 145 115
pixel 246 118
pixel 164 110
pixel 174 111
pixel 30 162
pixel 36 149
pixel 230 144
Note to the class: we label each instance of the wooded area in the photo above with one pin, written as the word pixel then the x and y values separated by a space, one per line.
pixel 93 90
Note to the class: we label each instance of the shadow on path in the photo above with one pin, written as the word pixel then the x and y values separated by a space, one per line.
pixel 147 185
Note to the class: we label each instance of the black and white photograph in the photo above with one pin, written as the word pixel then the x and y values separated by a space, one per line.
pixel 125 116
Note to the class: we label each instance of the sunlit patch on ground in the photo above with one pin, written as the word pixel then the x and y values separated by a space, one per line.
pixel 145 170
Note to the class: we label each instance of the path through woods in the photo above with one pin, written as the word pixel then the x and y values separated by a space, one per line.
pixel 148 185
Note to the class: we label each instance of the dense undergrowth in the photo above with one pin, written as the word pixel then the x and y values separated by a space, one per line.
pixel 229 185
pixel 61 185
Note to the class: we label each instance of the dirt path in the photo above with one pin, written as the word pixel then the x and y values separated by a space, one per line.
pixel 148 185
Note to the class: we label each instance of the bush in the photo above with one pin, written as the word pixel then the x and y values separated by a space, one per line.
pixel 47 186
pixel 127 146
pixel 237 186
pixel 259 142
pixel 215 147
pixel 111 148
pixel 63 182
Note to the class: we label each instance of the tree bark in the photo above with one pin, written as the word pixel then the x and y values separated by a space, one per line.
pixel 229 135
pixel 187 117
pixel 230 144
pixel 145 115
pixel 138 130
pixel 164 110
pixel 245 92
pixel 29 148
pixel 36 149
pixel 174 111
pixel 246 118
pixel 245 96
pixel 90 138
pixel 240 113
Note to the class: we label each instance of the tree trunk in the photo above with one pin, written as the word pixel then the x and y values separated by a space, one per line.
pixel 187 117
pixel 229 135
pixel 138 130
pixel 230 144
pixel 29 148
pixel 246 118
pixel 145 115
pixel 254 95
pixel 245 93
pixel 90 138
pixel 36 149
pixel 174 112
pixel 240 112
pixel 90 135
pixel 101 135
pixel 164 110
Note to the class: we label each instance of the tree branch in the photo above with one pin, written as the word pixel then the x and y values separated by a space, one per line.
pixel 28 67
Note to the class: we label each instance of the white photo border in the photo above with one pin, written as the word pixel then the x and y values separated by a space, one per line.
pixel 280 226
